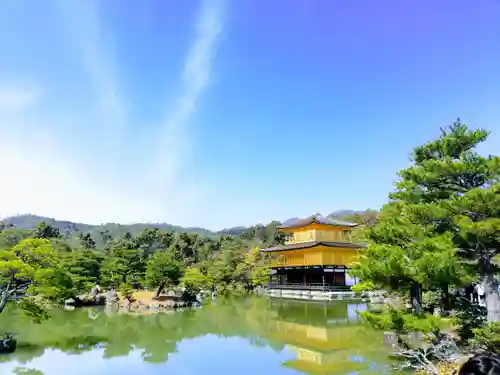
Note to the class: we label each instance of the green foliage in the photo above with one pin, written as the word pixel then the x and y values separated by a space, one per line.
pixel 124 265
pixel 86 240
pixel 33 309
pixel 253 271
pixel 126 291
pixel 267 235
pixel 487 338
pixel 363 286
pixel 396 320
pixel 46 231
pixel 469 316
pixel 10 236
pixel 29 260
pixel 391 319
pixel 79 270
pixel 440 231
pixel 457 192
pixel 195 280
pixel 26 371
pixel 431 300
pixel 56 267
pixel 31 265
pixel 445 209
pixel 163 269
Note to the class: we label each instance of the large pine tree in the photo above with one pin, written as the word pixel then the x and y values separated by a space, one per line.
pixel 442 223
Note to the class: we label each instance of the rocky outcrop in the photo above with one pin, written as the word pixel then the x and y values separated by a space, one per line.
pixel 8 344
pixel 86 300
pixel 157 305
pixel 168 302
pixel 111 297
pixel 89 300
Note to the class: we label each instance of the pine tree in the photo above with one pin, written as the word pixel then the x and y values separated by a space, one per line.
pixel 443 219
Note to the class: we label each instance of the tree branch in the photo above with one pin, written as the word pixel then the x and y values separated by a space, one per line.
pixel 423 359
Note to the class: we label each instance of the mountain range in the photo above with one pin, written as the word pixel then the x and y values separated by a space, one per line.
pixel 29 221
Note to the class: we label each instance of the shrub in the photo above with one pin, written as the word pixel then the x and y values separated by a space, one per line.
pixel 469 316
pixel 363 287
pixel 487 338
pixel 126 291
pixel 430 300
pixel 400 321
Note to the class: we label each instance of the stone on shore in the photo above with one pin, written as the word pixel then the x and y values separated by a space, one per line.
pixel 8 344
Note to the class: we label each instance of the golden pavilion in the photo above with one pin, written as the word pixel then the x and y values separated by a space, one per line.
pixel 316 255
pixel 320 346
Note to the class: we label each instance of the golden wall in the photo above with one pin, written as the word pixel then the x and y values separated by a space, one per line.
pixel 321 338
pixel 318 255
pixel 319 358
pixel 312 234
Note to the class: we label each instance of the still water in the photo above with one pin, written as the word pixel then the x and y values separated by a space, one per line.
pixel 232 336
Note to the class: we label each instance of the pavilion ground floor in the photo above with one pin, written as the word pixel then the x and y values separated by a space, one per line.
pixel 320 277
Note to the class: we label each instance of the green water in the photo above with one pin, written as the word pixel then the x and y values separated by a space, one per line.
pixel 237 336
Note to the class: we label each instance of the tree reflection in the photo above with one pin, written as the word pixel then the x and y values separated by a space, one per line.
pixel 156 336
pixel 26 371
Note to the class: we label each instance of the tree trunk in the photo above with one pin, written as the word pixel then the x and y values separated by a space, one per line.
pixel 491 293
pixel 416 297
pixel 3 300
pixel 492 297
pixel 445 298
pixel 159 290
pixel 5 294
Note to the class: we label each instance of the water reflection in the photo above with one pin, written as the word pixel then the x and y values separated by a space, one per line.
pixel 277 337
pixel 325 337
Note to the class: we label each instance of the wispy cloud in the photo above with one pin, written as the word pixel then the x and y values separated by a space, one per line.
pixel 94 45
pixel 15 99
pixel 195 78
pixel 55 173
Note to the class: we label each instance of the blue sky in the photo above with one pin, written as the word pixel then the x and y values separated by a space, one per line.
pixel 207 354
pixel 219 113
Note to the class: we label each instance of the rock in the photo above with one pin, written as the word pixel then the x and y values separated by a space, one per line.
pixel 89 300
pixel 390 338
pixel 111 297
pixel 8 344
pixel 69 302
pixel 126 303
pixel 95 290
pixel 437 311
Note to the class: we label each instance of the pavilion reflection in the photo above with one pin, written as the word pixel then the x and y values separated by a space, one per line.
pixel 322 335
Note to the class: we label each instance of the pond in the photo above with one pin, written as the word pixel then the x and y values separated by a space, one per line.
pixel 229 336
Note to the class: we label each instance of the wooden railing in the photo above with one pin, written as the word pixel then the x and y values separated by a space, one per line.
pixel 314 259
pixel 292 241
pixel 293 262
pixel 309 286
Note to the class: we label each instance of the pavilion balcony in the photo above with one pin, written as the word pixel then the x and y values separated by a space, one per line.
pixel 314 257
pixel 309 287
pixel 293 262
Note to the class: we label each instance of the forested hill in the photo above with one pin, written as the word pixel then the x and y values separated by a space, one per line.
pixel 131 256
pixel 68 228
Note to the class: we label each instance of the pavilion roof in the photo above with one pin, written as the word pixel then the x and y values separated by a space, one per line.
pixel 308 245
pixel 316 219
